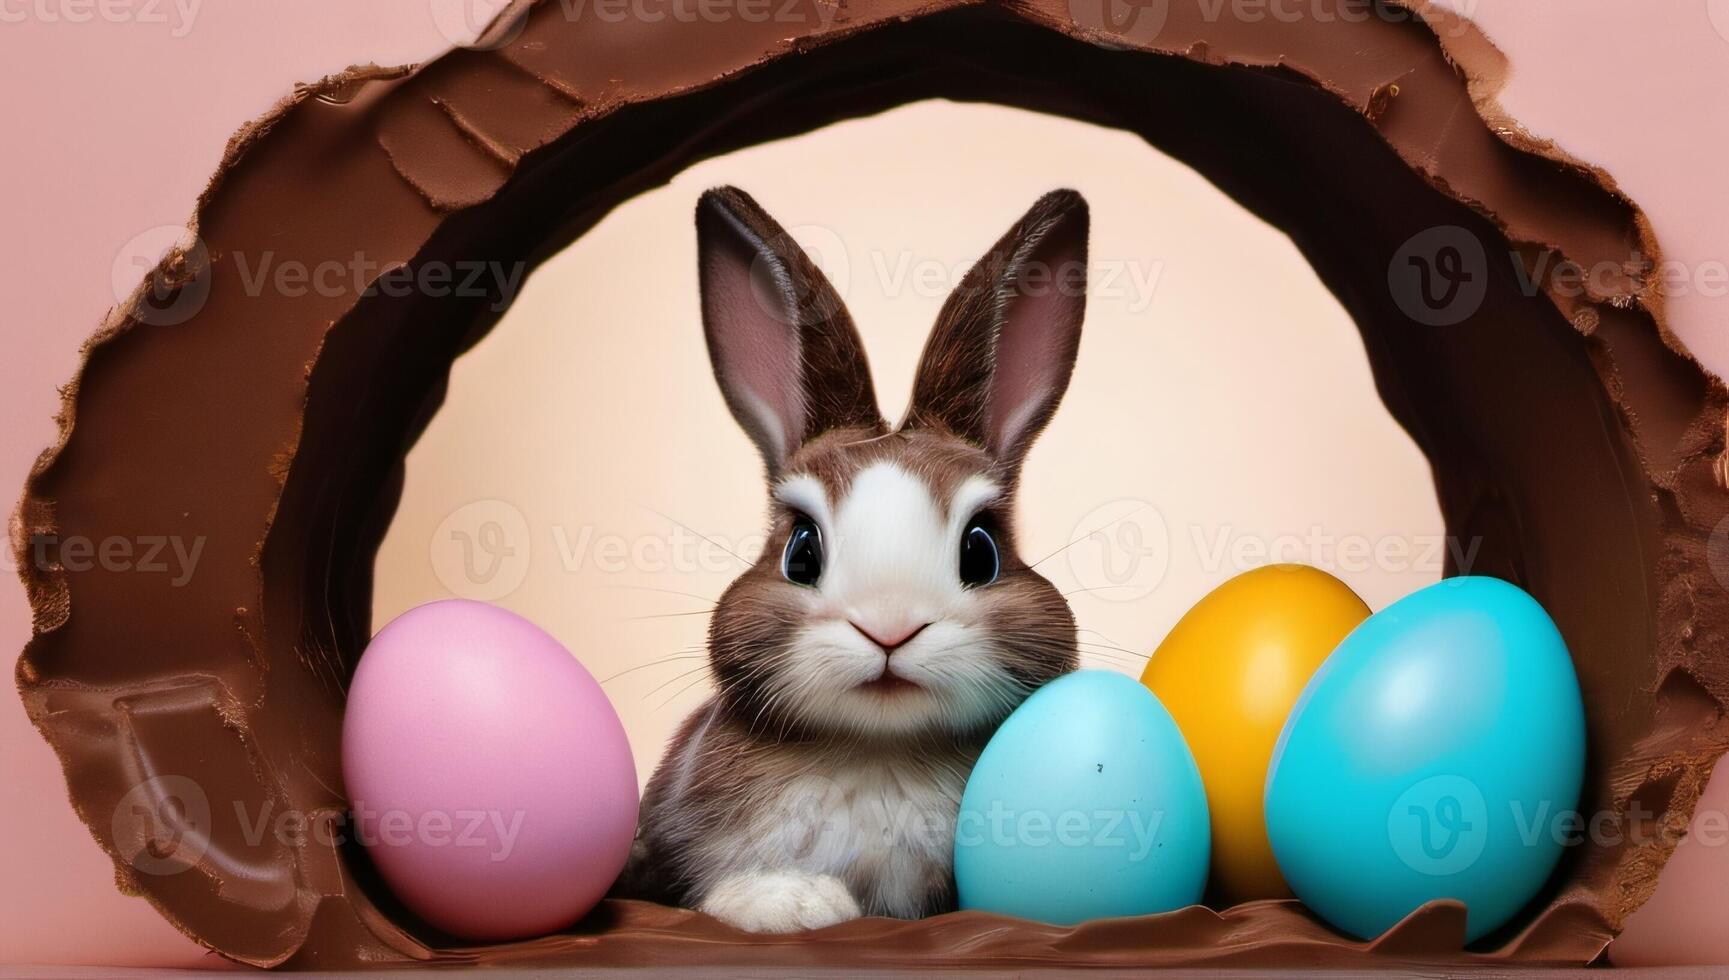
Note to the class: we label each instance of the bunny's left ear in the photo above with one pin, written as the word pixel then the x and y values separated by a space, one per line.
pixel 999 359
pixel 786 355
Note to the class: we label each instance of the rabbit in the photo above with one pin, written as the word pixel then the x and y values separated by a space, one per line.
pixel 862 663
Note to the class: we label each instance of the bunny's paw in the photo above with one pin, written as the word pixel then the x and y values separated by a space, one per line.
pixel 780 901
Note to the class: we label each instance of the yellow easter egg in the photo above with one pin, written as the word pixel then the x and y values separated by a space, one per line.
pixel 1229 673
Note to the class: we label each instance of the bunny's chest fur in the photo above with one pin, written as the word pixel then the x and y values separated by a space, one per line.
pixel 879 821
pixel 885 826
pixel 729 806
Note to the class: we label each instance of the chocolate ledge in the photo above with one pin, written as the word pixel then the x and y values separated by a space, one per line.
pixel 1564 434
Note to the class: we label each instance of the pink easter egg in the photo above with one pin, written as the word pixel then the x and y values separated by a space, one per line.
pixel 489 776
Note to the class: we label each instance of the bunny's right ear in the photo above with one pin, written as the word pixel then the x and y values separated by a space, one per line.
pixel 785 352
pixel 1004 346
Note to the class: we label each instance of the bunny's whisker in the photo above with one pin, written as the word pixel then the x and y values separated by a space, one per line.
pixel 1096 588
pixel 659 662
pixel 1107 641
pixel 741 559
pixel 654 588
pixel 675 679
pixel 1097 530
pixel 677 694
pixel 1112 648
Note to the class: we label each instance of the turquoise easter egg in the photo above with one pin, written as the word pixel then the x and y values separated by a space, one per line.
pixel 1437 753
pixel 1086 804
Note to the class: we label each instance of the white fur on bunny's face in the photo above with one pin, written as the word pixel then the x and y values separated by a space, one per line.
pixel 891 562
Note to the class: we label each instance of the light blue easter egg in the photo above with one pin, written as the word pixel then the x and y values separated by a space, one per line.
pixel 1086 804
pixel 1438 753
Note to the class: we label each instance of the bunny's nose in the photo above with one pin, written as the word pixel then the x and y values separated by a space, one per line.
pixel 890 635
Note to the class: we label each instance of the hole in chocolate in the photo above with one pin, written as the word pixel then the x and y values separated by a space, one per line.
pixel 1491 399
pixel 1546 445
pixel 1683 704
pixel 1651 798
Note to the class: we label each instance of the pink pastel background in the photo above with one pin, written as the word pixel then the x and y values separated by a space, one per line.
pixel 113 126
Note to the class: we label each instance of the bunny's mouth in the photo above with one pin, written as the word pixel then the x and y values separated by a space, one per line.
pixel 889 684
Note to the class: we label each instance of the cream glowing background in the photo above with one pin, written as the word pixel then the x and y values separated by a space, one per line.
pixel 585 473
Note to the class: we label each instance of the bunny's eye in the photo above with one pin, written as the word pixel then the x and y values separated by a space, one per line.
pixel 802 562
pixel 980 560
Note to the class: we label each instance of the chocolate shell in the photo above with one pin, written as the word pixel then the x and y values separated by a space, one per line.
pixel 1574 445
